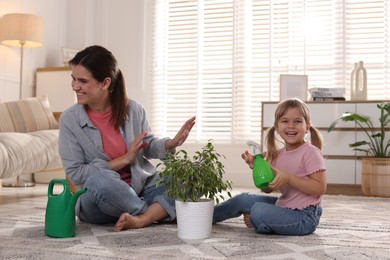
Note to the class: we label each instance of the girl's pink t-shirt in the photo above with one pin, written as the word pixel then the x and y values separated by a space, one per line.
pixel 302 162
pixel 113 143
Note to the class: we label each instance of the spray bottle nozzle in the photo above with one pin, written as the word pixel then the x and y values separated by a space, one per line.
pixel 254 147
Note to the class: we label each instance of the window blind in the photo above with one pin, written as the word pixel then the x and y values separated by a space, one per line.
pixel 219 59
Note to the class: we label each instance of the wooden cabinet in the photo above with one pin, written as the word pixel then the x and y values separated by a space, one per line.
pixel 342 162
pixel 55 82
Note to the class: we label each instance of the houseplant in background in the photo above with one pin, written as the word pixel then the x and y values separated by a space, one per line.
pixel 197 184
pixel 376 163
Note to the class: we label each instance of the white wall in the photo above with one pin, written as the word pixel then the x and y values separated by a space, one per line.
pixel 119 25
pixel 53 12
pixel 116 25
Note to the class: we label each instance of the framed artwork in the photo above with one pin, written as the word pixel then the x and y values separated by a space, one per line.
pixel 68 54
pixel 293 86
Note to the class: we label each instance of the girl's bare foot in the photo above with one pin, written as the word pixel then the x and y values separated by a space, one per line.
pixel 247 220
pixel 127 221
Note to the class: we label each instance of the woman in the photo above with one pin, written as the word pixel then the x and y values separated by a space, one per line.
pixel 104 143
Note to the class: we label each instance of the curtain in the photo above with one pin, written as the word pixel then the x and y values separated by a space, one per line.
pixel 219 59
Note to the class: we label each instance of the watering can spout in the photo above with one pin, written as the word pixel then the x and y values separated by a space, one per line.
pixel 75 196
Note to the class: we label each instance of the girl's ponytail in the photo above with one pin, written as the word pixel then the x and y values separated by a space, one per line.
pixel 316 137
pixel 272 151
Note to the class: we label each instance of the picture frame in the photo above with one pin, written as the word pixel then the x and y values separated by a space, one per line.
pixel 68 54
pixel 293 86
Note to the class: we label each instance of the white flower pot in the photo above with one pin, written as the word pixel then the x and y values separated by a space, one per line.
pixel 194 219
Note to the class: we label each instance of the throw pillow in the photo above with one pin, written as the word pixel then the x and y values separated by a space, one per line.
pixel 6 124
pixel 28 115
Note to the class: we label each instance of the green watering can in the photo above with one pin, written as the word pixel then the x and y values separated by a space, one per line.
pixel 60 219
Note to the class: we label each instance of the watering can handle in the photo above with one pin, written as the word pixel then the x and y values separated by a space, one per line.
pixel 54 181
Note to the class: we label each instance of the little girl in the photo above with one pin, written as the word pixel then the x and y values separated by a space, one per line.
pixel 300 175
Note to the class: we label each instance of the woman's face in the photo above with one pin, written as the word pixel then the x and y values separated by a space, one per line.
pixel 292 127
pixel 88 90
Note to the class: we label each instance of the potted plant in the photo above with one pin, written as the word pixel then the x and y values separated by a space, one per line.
pixel 376 163
pixel 195 181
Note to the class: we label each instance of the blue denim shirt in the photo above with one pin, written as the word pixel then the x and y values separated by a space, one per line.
pixel 81 149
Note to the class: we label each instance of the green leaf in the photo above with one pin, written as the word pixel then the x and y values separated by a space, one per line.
pixel 192 178
pixel 376 144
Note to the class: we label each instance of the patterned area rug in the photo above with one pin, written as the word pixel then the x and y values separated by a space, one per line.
pixel 351 228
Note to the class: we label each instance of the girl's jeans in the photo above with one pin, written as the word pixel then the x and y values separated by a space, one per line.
pixel 107 197
pixel 266 217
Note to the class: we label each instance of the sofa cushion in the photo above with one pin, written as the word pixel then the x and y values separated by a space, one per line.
pixel 6 121
pixel 23 153
pixel 27 115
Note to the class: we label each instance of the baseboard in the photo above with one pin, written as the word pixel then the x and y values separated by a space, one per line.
pixel 344 189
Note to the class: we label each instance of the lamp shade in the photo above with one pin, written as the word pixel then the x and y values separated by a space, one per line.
pixel 21 30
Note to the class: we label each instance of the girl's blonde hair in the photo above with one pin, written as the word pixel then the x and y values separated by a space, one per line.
pixel 281 109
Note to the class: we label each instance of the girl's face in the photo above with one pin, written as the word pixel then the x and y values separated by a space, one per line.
pixel 88 90
pixel 292 127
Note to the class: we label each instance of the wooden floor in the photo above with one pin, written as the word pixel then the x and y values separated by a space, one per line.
pixel 16 198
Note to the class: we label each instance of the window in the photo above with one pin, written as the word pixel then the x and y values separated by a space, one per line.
pixel 219 59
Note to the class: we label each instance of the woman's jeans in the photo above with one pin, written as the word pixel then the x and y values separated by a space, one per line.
pixel 107 197
pixel 266 217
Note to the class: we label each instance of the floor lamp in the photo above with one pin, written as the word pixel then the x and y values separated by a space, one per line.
pixel 22 31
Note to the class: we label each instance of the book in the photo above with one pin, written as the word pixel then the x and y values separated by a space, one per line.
pixel 326 94
pixel 328 98
pixel 327 90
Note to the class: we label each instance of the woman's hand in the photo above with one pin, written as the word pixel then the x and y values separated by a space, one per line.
pixel 248 158
pixel 135 147
pixel 131 154
pixel 181 136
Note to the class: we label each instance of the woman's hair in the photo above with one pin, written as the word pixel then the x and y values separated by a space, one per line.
pixel 281 109
pixel 102 64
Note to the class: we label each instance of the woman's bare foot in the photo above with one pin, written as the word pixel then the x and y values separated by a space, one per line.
pixel 154 213
pixel 247 220
pixel 127 221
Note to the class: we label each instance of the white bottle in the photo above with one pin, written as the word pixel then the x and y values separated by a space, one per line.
pixel 361 82
pixel 353 81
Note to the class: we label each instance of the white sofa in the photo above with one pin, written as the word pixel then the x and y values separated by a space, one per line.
pixel 29 139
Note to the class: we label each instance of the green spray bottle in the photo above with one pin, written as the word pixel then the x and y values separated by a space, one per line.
pixel 262 173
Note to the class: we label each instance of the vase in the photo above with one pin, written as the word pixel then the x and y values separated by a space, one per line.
pixel 360 89
pixel 353 80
